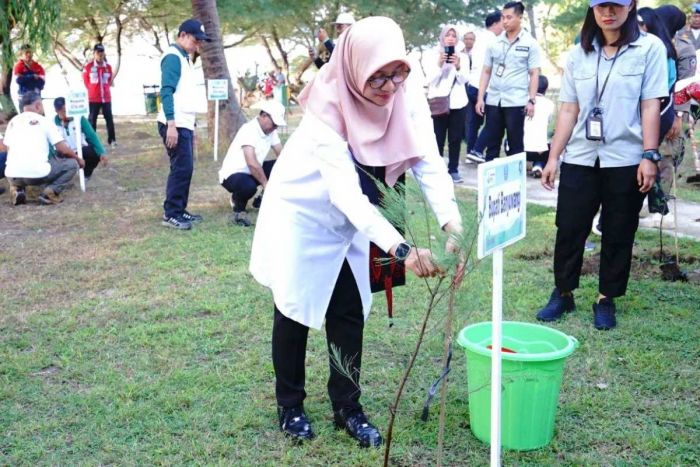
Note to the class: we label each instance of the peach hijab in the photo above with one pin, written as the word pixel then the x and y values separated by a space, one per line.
pixel 378 136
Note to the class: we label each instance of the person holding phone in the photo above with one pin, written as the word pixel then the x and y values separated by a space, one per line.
pixel 608 124
pixel 447 77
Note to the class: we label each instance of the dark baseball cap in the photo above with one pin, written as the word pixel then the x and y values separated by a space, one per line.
pixel 196 28
pixel 99 48
pixel 59 103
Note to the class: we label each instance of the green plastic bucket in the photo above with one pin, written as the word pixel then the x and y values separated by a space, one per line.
pixel 532 365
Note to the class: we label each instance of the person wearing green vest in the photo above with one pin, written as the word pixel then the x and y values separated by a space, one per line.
pixel 93 151
pixel 176 121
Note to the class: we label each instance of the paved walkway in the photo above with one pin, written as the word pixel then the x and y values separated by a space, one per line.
pixel 687 218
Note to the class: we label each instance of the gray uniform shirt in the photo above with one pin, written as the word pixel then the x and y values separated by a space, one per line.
pixel 687 61
pixel 519 57
pixel 640 73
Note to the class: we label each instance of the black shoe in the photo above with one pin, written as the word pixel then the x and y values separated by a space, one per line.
pixel 557 305
pixel 294 423
pixel 178 224
pixel 192 218
pixel 17 196
pixel 475 157
pixel 604 314
pixel 241 218
pixel 357 426
pixel 2 190
pixel 257 201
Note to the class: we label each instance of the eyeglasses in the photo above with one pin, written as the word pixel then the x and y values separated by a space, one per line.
pixel 397 78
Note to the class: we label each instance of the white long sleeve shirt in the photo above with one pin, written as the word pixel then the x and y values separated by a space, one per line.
pixel 315 216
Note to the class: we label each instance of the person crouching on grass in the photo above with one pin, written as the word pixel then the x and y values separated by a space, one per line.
pixel 245 169
pixel 609 125
pixel 312 240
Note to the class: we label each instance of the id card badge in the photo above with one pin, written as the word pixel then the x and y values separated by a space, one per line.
pixel 594 126
pixel 500 69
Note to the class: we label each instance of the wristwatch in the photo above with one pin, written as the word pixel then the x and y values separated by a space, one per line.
pixel 402 250
pixel 652 155
pixel 531 101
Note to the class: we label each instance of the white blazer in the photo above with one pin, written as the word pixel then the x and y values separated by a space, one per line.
pixel 315 215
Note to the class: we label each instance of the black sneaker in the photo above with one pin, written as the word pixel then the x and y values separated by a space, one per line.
pixel 257 201
pixel 475 157
pixel 241 218
pixel 536 171
pixel 192 218
pixel 557 305
pixel 294 423
pixel 178 224
pixel 17 196
pixel 356 425
pixel 604 314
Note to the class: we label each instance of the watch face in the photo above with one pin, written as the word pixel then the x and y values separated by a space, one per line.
pixel 402 251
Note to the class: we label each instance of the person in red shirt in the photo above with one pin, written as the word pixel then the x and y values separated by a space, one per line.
pixel 98 76
pixel 30 76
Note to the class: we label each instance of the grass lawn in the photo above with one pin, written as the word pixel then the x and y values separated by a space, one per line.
pixel 122 342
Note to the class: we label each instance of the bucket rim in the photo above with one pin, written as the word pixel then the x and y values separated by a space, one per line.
pixel 572 344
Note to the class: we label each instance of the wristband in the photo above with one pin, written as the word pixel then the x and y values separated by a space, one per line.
pixel 651 155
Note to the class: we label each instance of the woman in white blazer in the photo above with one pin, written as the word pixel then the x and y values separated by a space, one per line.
pixel 311 243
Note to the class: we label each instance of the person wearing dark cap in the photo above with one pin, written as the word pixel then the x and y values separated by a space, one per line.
pixel 98 78
pixel 31 160
pixel 176 121
pixel 692 30
pixel 30 76
pixel 92 149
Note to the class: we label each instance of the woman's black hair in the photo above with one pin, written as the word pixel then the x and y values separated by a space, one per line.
pixel 590 31
pixel 656 27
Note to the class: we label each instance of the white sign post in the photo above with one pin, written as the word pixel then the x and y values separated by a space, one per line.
pixel 217 90
pixel 502 206
pixel 77 107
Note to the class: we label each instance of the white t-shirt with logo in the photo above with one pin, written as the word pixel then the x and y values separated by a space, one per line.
pixel 29 137
pixel 250 134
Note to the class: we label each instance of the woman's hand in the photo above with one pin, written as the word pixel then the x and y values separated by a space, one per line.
pixel 646 175
pixel 676 129
pixel 549 174
pixel 479 107
pixel 420 261
pixel 454 228
pixel 442 58
pixel 454 59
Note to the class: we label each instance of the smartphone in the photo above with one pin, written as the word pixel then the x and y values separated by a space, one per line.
pixel 449 50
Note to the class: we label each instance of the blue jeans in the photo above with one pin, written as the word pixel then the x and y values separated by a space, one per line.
pixel 500 120
pixel 177 189
pixel 3 162
pixel 474 120
pixel 243 186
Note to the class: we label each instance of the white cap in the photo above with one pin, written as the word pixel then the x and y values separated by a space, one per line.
pixel 275 110
pixel 345 18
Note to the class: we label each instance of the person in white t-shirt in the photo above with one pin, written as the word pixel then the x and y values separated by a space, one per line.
pixel 535 136
pixel 29 138
pixel 245 167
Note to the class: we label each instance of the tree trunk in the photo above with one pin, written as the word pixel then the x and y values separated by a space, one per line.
pixel 231 118
pixel 8 107
pixel 531 16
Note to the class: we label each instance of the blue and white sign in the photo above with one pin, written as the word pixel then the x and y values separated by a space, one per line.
pixel 217 89
pixel 501 203
pixel 77 103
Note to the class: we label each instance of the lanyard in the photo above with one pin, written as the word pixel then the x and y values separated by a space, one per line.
pixel 509 47
pixel 599 95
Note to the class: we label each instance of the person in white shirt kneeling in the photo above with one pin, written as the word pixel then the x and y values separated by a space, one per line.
pixel 245 167
pixel 29 138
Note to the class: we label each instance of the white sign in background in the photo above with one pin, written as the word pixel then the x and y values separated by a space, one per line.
pixel 217 90
pixel 502 207
pixel 77 107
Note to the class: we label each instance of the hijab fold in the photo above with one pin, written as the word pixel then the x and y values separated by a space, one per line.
pixel 378 136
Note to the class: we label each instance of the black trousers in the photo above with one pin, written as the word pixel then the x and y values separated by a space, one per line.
pixel 474 120
pixel 500 120
pixel 243 186
pixel 177 188
pixel 344 328
pixel 581 191
pixel 450 126
pixel 91 159
pixel 538 158
pixel 106 108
